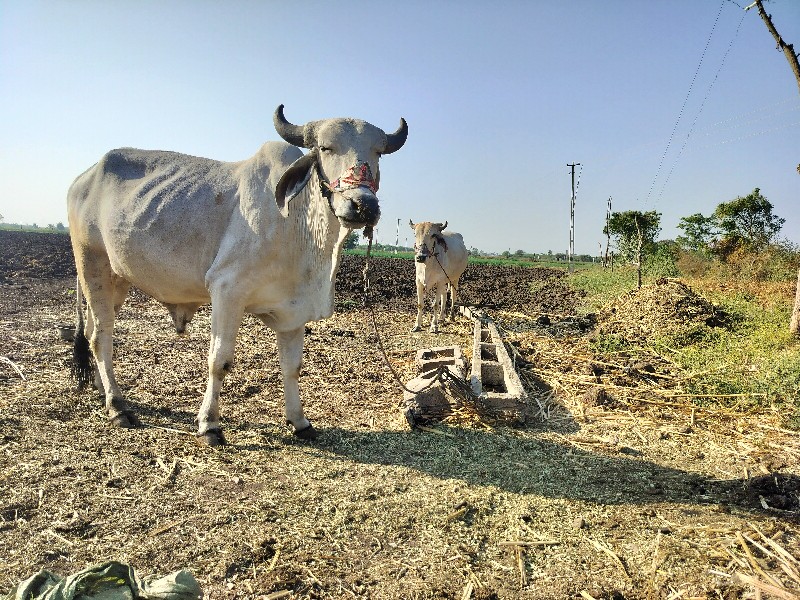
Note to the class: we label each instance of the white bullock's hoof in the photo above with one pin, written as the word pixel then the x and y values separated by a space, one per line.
pixel 307 433
pixel 211 438
pixel 416 328
pixel 125 419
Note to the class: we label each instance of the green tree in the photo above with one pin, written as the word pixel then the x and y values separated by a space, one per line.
pixel 746 222
pixel 699 232
pixel 351 241
pixel 626 228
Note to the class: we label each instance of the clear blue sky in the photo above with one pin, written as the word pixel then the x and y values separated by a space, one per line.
pixel 499 98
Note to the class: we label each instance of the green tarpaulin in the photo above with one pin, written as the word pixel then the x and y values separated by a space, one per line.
pixel 109 581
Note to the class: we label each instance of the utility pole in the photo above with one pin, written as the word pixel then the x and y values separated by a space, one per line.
pixel 397 241
pixel 606 261
pixel 571 250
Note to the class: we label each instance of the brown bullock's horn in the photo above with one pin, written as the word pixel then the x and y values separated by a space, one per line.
pixel 291 133
pixel 395 141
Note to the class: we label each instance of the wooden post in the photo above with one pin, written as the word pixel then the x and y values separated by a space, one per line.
pixel 787 49
pixel 794 325
pixel 794 64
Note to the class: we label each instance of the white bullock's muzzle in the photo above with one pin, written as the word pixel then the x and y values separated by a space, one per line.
pixel 352 197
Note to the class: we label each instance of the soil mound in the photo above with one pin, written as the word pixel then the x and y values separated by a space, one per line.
pixel 666 307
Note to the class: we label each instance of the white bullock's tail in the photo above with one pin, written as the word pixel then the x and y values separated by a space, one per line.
pixel 82 369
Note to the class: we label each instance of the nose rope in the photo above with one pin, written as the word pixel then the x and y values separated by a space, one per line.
pixel 443 374
pixel 360 174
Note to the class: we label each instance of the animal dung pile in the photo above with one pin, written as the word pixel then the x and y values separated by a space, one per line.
pixel 664 308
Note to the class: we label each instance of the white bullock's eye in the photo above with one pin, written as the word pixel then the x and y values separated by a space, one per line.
pixel 324 149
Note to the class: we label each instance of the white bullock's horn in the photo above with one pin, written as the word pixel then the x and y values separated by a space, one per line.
pixel 289 132
pixel 395 141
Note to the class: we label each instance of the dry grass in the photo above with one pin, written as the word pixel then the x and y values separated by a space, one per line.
pixel 630 494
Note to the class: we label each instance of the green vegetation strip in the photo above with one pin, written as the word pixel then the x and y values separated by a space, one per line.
pixel 750 361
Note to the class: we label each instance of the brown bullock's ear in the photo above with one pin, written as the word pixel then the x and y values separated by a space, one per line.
pixel 410 222
pixel 295 178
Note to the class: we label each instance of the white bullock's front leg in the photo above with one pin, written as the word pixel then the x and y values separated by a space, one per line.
pixel 439 295
pixel 290 352
pixel 443 299
pixel 420 305
pixel 225 321
pixel 453 293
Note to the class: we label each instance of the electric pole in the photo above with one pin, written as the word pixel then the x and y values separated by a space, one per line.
pixel 606 261
pixel 571 250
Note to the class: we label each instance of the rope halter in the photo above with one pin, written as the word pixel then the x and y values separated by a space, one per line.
pixel 359 175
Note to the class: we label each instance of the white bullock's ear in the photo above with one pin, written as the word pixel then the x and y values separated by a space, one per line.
pixel 295 178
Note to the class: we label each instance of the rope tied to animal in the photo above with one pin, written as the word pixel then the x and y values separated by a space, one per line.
pixel 441 266
pixel 360 174
pixel 443 375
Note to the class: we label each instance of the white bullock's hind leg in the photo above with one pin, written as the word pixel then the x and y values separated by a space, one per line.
pixel 225 321
pixel 89 332
pixel 103 290
pixel 120 289
pixel 290 352
pixel 420 305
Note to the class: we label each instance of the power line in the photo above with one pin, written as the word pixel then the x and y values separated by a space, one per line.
pixel 738 117
pixel 683 107
pixel 702 105
pixel 749 135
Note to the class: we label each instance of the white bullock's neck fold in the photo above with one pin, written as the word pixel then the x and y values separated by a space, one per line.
pixel 317 235
pixel 313 225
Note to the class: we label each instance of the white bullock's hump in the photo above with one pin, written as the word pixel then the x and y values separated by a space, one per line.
pixel 132 163
pixel 279 154
pixel 452 235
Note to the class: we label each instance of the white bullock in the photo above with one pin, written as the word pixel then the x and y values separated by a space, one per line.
pixel 261 236
pixel 441 258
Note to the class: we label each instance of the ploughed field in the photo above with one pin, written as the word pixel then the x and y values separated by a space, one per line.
pixel 611 489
